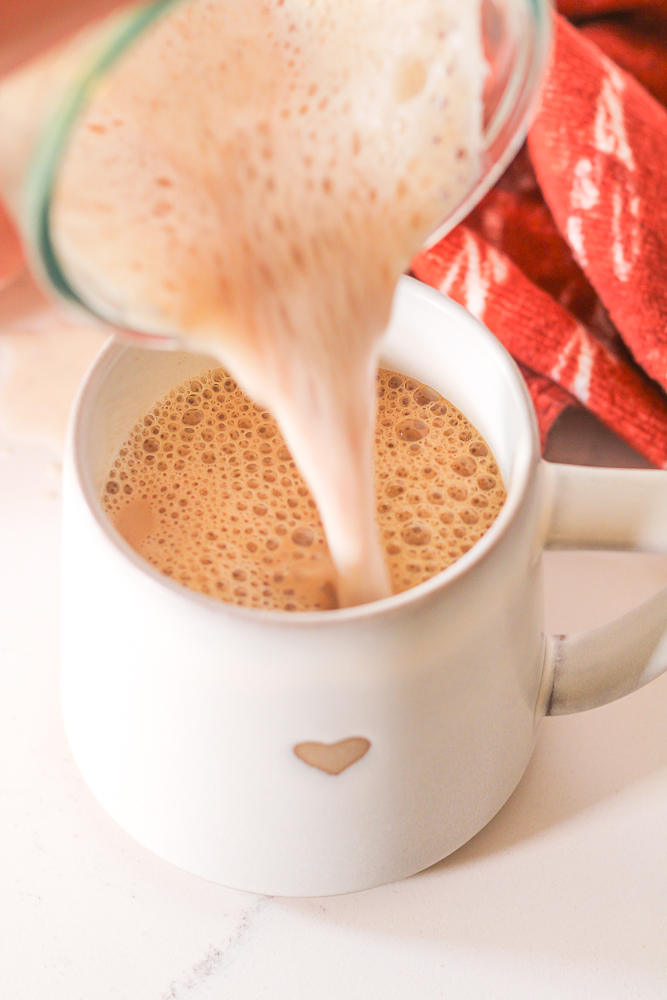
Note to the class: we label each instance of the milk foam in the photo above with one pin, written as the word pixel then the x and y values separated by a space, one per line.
pixel 255 176
pixel 205 489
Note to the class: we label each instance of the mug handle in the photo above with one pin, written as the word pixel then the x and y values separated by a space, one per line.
pixel 591 508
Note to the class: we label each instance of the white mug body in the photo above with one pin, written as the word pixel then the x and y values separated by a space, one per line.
pixel 188 716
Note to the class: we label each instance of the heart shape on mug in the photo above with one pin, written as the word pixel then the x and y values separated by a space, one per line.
pixel 333 757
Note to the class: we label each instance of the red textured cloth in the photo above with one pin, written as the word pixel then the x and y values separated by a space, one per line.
pixel 11 254
pixel 637 45
pixel 566 259
pixel 580 9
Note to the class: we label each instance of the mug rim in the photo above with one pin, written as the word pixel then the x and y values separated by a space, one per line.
pixel 526 465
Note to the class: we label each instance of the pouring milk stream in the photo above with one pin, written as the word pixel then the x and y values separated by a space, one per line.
pixel 252 177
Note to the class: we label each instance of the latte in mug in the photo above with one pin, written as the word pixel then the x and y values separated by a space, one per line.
pixel 205 489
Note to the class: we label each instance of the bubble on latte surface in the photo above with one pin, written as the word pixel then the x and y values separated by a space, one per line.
pixel 206 491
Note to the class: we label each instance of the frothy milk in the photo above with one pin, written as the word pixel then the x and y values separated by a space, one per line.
pixel 204 488
pixel 255 176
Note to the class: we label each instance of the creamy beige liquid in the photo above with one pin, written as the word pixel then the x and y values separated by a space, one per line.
pixel 255 175
pixel 205 489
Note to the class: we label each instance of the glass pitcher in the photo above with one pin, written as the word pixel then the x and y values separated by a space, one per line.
pixel 516 37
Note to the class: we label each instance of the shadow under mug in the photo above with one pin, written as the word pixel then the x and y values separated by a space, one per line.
pixel 209 731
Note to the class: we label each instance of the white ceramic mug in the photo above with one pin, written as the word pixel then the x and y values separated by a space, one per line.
pixel 205 729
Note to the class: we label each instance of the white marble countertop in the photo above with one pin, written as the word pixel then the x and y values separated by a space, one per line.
pixel 562 897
